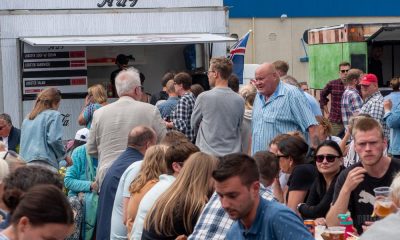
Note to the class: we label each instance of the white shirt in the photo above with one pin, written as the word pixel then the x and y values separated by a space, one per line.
pixel 148 200
pixel 118 228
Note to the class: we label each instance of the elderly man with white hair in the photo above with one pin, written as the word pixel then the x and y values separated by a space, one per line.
pixel 111 124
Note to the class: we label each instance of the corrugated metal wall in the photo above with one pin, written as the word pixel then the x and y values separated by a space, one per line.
pixel 87 4
pixel 16 24
pixel 312 8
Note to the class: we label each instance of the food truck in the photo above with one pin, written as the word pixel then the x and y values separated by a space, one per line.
pixel 72 44
pixel 371 47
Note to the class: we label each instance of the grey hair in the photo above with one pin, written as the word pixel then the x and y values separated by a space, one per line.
pixel 126 80
pixel 6 118
pixel 396 189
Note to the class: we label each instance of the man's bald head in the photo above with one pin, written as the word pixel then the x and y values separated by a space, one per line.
pixel 142 136
pixel 266 79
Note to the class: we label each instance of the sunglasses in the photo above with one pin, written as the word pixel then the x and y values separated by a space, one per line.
pixel 12 153
pixel 344 70
pixel 282 156
pixel 329 158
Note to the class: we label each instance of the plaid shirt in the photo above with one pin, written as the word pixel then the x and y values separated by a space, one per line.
pixel 373 105
pixel 336 89
pixel 182 114
pixel 214 222
pixel 351 104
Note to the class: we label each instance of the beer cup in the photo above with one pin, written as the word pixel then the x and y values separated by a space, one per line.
pixel 383 202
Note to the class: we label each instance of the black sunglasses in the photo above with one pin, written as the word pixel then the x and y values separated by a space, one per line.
pixel 282 156
pixel 344 70
pixel 329 158
pixel 12 153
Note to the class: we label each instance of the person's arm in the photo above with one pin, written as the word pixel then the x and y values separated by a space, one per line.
pixel 294 198
pixel 54 136
pixel 73 173
pixel 197 115
pixel 125 202
pixel 345 138
pixel 179 115
pixel 341 204
pixel 323 101
pixel 314 139
pixel 278 191
pixel 158 125
pixel 91 144
pixel 316 207
pixel 392 117
pixel 356 104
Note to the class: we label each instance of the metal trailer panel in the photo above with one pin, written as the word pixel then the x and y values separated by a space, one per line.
pixel 95 23
pixel 90 4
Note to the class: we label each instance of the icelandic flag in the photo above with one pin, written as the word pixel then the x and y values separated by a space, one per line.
pixel 237 56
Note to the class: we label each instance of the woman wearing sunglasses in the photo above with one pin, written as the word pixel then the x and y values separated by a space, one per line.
pixel 328 158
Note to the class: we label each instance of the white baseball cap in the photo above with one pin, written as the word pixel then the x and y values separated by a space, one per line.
pixel 82 135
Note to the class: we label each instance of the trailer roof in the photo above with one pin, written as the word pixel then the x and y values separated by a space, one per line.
pixel 114 40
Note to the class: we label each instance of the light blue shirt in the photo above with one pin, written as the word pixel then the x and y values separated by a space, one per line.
pixel 394 97
pixel 286 110
pixel 41 138
pixel 118 228
pixel 148 200
pixel 392 120
pixel 314 104
pixel 274 221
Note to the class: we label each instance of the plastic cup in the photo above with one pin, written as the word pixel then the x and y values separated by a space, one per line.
pixel 383 202
pixel 336 233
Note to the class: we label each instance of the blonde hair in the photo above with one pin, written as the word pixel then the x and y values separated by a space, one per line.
pixel 46 99
pixel 248 92
pixel 153 166
pixel 186 197
pixel 326 125
pixel 98 92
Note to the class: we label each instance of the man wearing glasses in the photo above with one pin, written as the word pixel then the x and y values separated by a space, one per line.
pixel 336 89
pixel 9 134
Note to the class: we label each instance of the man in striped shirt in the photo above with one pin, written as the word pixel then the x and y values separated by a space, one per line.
pixel 351 100
pixel 278 108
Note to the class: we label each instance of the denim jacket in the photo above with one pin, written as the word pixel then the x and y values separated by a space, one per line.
pixel 392 119
pixel 41 138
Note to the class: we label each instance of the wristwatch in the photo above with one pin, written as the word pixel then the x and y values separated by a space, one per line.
pixel 299 205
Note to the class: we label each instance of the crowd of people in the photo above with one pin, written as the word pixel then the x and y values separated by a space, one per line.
pixel 227 163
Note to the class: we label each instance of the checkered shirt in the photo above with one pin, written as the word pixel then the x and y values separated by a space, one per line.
pixel 182 114
pixel 373 105
pixel 214 222
pixel 335 88
pixel 351 104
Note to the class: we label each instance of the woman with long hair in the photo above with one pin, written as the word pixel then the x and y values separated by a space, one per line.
pixel 96 98
pixel 291 154
pixel 152 167
pixel 248 92
pixel 41 132
pixel 329 160
pixel 41 213
pixel 175 213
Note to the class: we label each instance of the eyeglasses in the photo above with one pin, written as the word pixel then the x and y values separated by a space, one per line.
pixel 329 158
pixel 282 156
pixel 344 70
pixel 12 153
pixel 210 71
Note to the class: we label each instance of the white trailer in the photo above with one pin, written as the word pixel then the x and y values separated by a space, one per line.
pixel 71 44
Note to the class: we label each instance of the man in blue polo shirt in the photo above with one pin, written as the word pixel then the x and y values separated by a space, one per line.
pixel 237 184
